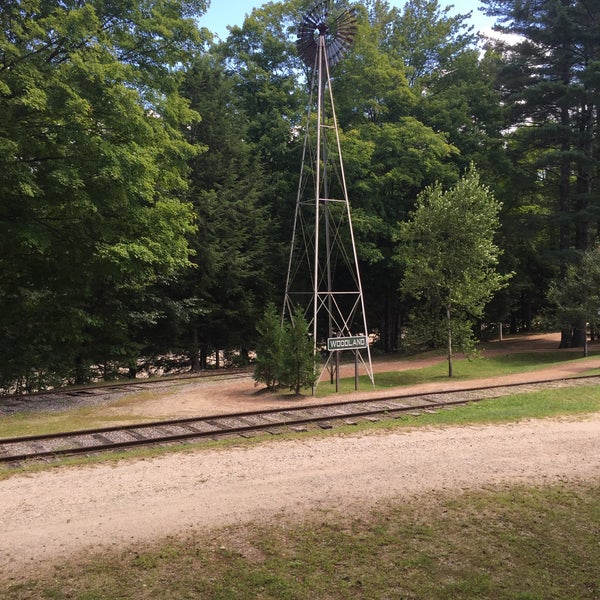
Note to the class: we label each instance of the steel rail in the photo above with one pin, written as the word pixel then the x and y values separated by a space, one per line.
pixel 215 426
pixel 122 385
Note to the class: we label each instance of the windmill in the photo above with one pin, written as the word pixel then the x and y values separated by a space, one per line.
pixel 323 276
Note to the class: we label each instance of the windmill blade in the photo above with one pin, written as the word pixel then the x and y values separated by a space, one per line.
pixel 335 52
pixel 336 24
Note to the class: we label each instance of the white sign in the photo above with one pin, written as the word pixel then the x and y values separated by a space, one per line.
pixel 355 342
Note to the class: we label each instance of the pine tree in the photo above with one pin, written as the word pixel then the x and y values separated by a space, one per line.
pixel 550 84
pixel 269 355
pixel 299 364
pixel 575 297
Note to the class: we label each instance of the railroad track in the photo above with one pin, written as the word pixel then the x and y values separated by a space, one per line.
pixel 295 418
pixel 65 397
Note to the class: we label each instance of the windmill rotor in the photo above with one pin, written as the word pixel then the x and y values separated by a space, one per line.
pixel 336 24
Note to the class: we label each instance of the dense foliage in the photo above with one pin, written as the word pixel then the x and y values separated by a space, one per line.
pixel 93 168
pixel 451 262
pixel 148 172
pixel 269 348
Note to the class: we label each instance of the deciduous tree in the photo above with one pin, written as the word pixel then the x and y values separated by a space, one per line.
pixel 450 256
pixel 93 168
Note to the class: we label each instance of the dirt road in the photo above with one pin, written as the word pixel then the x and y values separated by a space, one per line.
pixel 48 516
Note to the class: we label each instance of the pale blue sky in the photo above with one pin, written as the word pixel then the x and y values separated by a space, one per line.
pixel 232 12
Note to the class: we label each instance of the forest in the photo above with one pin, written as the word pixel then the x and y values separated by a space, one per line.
pixel 148 171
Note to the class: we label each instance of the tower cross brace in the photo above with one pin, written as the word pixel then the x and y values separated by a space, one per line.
pixel 323 276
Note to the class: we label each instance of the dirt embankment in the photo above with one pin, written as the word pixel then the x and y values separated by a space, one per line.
pixel 48 516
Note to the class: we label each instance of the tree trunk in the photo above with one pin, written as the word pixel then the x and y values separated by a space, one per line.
pixel 585 174
pixel 195 351
pixel 579 334
pixel 564 184
pixel 80 371
pixel 203 357
pixel 574 336
pixel 566 338
pixel 513 323
pixel 244 356
pixel 389 329
pixel 450 373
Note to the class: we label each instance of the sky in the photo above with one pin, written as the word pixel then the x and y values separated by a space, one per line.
pixel 232 12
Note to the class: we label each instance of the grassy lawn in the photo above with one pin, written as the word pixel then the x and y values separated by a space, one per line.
pixel 501 543
pixel 108 415
pixel 533 405
pixel 464 370
pixel 50 422
pixel 511 409
pixel 522 542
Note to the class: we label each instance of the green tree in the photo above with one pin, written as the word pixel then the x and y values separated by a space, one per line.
pixel 393 144
pixel 428 39
pixel 262 62
pixel 452 82
pixel 390 156
pixel 232 278
pixel 575 297
pixel 93 169
pixel 550 82
pixel 269 348
pixel 450 257
pixel 298 369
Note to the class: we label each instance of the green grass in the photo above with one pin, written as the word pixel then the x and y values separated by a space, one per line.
pixel 90 417
pixel 501 543
pixel 534 405
pixel 50 422
pixel 463 370
pixel 518 407
pixel 549 403
pixel 517 543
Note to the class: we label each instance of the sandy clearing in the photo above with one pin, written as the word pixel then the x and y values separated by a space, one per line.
pixel 221 397
pixel 48 516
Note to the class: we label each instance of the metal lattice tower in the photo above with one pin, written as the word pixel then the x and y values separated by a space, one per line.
pixel 323 276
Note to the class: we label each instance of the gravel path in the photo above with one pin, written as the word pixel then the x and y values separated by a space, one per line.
pixel 48 516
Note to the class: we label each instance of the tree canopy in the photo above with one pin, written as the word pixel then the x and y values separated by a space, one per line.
pixel 93 172
pixel 451 261
pixel 149 170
